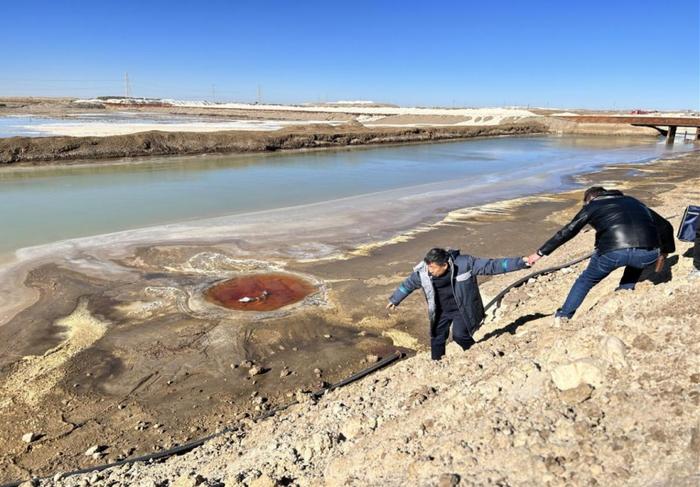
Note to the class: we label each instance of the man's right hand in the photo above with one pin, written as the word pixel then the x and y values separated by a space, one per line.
pixel 391 306
pixel 531 259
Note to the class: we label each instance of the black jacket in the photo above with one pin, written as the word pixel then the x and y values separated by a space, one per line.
pixel 621 222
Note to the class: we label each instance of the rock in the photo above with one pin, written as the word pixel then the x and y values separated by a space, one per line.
pixel 263 481
pixel 318 372
pixel 94 449
pixel 255 370
pixel 284 372
pixel 189 480
pixel 246 364
pixel 372 359
pixel 576 395
pixel 352 427
pixel 582 371
pixel 643 342
pixel 31 437
pixel 449 480
pixel 614 351
pixel 694 444
pixel 418 396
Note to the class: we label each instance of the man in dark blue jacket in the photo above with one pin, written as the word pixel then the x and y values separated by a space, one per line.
pixel 449 283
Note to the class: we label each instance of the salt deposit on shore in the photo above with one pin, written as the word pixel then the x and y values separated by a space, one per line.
pixel 370 116
pixel 360 108
pixel 102 129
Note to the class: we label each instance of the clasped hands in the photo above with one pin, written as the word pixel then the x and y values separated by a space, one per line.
pixel 532 258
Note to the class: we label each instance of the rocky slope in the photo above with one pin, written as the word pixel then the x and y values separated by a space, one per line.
pixel 612 399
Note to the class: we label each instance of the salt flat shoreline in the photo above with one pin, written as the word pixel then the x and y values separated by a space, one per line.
pixel 358 285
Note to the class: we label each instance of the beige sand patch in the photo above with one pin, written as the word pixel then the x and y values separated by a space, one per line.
pixel 402 339
pixel 36 375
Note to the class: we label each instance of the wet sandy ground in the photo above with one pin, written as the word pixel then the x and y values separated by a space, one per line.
pixel 143 361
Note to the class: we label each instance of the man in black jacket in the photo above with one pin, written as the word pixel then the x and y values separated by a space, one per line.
pixel 628 234
pixel 449 283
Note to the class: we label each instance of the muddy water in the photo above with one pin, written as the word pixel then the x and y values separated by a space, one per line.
pixel 46 205
pixel 259 292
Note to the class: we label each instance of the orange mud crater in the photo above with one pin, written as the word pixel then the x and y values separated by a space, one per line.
pixel 259 292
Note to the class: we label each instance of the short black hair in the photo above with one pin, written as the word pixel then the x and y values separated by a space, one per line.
pixel 437 256
pixel 593 192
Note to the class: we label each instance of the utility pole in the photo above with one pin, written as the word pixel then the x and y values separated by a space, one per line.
pixel 259 94
pixel 127 88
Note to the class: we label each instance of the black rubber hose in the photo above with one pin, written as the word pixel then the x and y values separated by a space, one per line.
pixel 317 394
pixel 178 450
pixel 497 299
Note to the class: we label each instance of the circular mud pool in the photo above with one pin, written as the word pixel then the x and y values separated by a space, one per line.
pixel 259 292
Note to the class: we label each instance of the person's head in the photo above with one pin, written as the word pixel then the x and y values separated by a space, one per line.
pixel 437 260
pixel 592 192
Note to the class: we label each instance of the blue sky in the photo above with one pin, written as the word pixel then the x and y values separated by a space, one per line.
pixel 592 54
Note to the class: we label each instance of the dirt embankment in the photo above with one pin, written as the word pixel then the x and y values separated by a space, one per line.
pixel 60 149
pixel 560 126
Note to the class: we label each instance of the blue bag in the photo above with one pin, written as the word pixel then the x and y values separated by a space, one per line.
pixel 689 224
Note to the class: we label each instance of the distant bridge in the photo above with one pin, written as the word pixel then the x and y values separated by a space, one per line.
pixel 642 121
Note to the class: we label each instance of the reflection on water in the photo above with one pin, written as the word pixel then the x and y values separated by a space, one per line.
pixel 48 204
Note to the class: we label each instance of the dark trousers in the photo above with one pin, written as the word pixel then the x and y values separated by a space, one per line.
pixel 460 334
pixel 696 251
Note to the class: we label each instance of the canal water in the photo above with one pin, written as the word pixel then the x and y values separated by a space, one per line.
pixel 43 205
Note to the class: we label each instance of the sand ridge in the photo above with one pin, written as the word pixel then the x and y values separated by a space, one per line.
pixel 37 375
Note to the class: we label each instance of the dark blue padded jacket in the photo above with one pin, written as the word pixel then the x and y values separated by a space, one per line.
pixel 464 270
